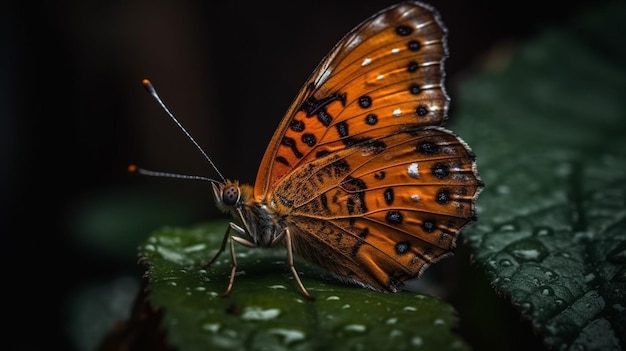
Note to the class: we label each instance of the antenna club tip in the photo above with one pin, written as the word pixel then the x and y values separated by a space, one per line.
pixel 132 168
pixel 146 84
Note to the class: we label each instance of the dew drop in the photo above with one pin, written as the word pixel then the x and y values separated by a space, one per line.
pixel 528 250
pixel 546 291
pixel 259 314
pixel 212 327
pixel 439 321
pixel 332 298
pixel 507 227
pixel 170 255
pixel 391 321
pixel 278 286
pixel 589 277
pixel 242 254
pixel 360 328
pixel 417 341
pixel 505 263
pixel 288 335
pixel 195 248
pixel 550 275
pixel 527 254
pixel 409 309
pixel 543 231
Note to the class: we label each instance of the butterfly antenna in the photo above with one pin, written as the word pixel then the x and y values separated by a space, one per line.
pixel 150 88
pixel 134 169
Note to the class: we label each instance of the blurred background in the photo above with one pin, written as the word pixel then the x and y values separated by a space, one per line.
pixel 73 115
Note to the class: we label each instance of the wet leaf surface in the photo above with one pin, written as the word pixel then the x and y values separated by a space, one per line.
pixel 548 129
pixel 267 311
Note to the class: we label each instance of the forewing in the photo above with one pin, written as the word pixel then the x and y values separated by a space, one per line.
pixel 388 71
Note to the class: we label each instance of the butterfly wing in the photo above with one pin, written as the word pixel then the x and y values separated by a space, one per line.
pixel 370 186
pixel 387 71
pixel 381 212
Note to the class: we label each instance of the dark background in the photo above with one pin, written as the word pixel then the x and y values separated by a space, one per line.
pixel 73 114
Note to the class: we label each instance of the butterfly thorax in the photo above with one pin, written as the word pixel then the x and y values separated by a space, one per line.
pixel 262 225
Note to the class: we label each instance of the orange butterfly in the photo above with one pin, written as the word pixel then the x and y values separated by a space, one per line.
pixel 360 178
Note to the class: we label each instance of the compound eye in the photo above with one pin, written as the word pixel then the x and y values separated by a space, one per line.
pixel 230 195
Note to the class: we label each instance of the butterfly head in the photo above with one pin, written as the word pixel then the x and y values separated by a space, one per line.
pixel 230 194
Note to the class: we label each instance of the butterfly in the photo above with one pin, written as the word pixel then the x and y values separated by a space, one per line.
pixel 360 178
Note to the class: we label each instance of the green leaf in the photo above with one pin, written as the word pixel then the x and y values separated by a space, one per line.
pixel 267 311
pixel 548 130
pixel 547 124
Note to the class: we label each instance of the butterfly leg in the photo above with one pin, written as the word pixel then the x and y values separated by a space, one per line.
pixel 293 268
pixel 238 229
pixel 222 246
pixel 233 258
pixel 231 280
